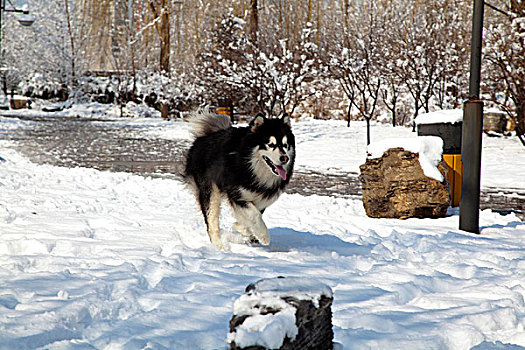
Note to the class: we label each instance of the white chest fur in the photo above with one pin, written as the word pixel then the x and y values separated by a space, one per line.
pixel 261 202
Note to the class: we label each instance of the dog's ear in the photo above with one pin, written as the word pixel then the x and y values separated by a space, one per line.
pixel 286 120
pixel 256 123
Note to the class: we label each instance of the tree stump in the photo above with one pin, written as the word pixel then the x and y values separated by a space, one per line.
pixel 283 313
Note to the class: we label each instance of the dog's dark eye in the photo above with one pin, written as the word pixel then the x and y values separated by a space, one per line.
pixel 272 145
pixel 285 145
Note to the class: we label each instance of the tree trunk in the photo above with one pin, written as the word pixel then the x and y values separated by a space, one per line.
pixel 367 131
pixel 348 115
pixel 4 84
pixel 318 33
pixel 346 7
pixel 520 122
pixel 416 112
pixel 394 117
pixel 71 39
pixel 164 37
pixel 254 20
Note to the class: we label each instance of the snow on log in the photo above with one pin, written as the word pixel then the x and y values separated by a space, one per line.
pixel 283 313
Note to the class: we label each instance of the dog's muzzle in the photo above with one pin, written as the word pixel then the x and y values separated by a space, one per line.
pixel 278 169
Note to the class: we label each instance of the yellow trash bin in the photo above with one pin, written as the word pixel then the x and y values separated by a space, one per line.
pixel 455 177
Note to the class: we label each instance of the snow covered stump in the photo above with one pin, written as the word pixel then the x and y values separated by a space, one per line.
pixel 404 178
pixel 283 313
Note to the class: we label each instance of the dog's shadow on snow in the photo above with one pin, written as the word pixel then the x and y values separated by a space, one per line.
pixel 285 239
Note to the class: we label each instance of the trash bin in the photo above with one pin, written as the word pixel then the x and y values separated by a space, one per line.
pixel 226 110
pixel 20 102
pixel 450 132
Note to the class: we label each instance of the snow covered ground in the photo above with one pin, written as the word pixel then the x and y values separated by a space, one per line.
pixel 99 260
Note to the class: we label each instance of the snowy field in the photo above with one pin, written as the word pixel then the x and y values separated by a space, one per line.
pixel 99 260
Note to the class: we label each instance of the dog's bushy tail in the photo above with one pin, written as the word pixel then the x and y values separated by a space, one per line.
pixel 206 122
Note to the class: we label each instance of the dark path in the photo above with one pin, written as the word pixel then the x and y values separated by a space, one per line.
pixel 102 145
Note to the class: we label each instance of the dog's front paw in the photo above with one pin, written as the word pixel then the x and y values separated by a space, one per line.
pixel 253 240
pixel 264 238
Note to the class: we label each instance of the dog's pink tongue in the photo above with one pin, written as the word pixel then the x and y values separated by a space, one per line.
pixel 281 171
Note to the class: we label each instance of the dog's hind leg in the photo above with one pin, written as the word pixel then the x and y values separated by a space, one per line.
pixel 210 202
pixel 250 218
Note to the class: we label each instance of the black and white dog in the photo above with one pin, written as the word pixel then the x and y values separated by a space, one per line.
pixel 250 166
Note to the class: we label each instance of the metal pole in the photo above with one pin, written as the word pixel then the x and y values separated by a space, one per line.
pixel 475 50
pixel 472 131
pixel 471 157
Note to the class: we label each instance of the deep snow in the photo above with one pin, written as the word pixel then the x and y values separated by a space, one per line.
pixel 99 260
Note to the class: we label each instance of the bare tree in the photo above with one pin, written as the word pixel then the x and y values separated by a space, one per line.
pixel 390 96
pixel 254 21
pixel 392 55
pixel 505 50
pixel 71 37
pixel 355 63
pixel 160 10
pixel 273 76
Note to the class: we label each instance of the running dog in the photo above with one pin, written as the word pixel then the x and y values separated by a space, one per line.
pixel 249 166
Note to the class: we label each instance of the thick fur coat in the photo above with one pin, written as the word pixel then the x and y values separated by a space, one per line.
pixel 249 166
